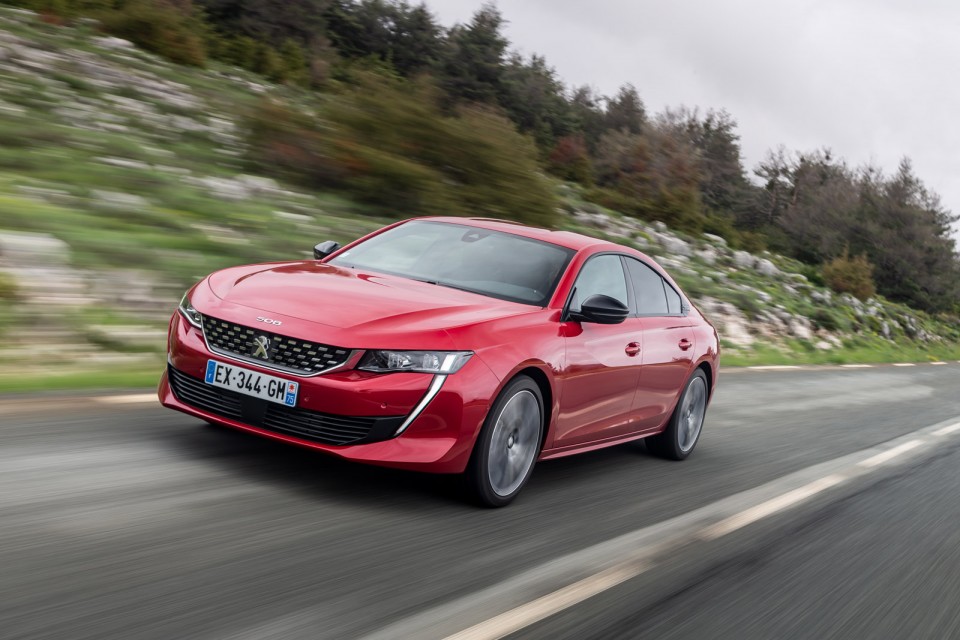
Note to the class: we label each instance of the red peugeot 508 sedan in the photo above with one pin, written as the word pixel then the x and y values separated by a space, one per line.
pixel 449 345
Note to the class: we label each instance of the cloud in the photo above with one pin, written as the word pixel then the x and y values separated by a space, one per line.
pixel 871 79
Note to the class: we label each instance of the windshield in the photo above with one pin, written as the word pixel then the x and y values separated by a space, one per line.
pixel 491 263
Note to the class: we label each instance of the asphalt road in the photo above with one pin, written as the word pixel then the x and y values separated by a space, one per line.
pixel 121 521
pixel 882 563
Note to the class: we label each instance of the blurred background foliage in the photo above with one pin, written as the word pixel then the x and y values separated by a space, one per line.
pixel 388 143
pixel 418 117
pixel 266 120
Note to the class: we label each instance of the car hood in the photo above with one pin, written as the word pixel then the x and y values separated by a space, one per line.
pixel 351 299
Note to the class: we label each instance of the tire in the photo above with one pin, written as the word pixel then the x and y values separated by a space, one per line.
pixel 678 440
pixel 508 445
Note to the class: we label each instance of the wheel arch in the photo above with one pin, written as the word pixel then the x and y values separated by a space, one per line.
pixel 708 371
pixel 546 391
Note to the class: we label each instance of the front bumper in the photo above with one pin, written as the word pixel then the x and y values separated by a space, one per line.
pixel 348 413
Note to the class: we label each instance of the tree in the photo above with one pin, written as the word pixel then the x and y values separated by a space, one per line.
pixel 587 116
pixel 656 171
pixel 408 37
pixel 533 98
pixel 270 21
pixel 473 63
pixel 625 111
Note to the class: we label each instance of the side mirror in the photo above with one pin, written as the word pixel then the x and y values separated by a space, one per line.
pixel 601 309
pixel 324 249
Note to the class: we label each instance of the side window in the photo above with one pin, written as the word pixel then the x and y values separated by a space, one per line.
pixel 601 275
pixel 648 289
pixel 674 304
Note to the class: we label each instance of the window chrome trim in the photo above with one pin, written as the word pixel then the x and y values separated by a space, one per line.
pixel 352 359
pixel 428 397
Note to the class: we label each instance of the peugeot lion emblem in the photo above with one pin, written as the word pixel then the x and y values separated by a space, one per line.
pixel 261 347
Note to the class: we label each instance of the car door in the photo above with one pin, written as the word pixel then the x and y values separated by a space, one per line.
pixel 668 344
pixel 602 365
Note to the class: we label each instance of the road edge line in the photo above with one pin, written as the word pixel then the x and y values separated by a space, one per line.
pixel 483 613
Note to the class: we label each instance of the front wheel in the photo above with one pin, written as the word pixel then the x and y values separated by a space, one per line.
pixel 509 443
pixel 683 431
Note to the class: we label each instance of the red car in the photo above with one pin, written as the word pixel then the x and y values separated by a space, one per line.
pixel 449 345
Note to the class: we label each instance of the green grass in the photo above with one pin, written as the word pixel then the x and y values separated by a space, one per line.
pixel 124 377
pixel 863 351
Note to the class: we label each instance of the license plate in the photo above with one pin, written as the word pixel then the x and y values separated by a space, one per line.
pixel 251 383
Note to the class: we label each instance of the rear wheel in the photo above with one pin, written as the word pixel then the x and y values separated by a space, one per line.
pixel 683 431
pixel 509 443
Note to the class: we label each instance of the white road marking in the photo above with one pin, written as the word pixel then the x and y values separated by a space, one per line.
pixel 857 366
pixel 904 364
pixel 770 507
pixel 953 428
pixel 535 611
pixel 938 362
pixel 890 454
pixel 774 367
pixel 136 398
pixel 492 613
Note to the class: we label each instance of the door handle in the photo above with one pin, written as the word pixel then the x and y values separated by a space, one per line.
pixel 685 344
pixel 632 349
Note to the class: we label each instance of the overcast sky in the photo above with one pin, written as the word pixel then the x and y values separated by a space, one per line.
pixel 874 80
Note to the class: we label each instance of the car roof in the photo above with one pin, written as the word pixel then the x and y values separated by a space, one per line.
pixel 568 239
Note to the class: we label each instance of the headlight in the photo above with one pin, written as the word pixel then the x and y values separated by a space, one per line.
pixel 414 361
pixel 189 313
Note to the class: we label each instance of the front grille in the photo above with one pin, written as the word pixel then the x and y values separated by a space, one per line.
pixel 287 354
pixel 308 425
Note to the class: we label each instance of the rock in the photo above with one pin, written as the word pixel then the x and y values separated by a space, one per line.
pixel 766 268
pixel 179 171
pixel 800 327
pixel 32 250
pixel 125 163
pixel 763 296
pixel 674 245
pixel 109 42
pixel 822 297
pixel 135 335
pixel 293 217
pixel 715 240
pixel 823 345
pixel 885 329
pixel 120 200
pixel 225 188
pixel 743 260
pixel 26 13
pixel 258 184
pixel 707 255
pixel 676 264
pixel 221 234
pixel 659 226
pixel 731 324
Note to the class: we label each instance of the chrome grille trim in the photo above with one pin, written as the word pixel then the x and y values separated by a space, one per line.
pixel 292 348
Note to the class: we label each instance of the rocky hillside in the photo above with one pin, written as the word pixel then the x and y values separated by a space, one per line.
pixel 765 307
pixel 124 178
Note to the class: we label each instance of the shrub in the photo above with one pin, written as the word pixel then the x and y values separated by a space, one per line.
pixel 8 288
pixel 389 144
pixel 159 27
pixel 853 275
pixel 831 320
pixel 570 160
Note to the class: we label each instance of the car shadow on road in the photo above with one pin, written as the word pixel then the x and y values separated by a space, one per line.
pixel 252 458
